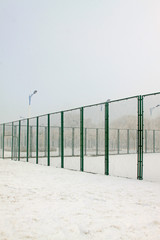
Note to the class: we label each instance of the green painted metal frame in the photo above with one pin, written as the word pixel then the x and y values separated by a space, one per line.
pixel 37 127
pixel 48 140
pixel 19 141
pixel 106 138
pixel 62 139
pixel 12 140
pixel 140 142
pixel 3 140
pixel 140 139
pixel 27 140
pixel 81 140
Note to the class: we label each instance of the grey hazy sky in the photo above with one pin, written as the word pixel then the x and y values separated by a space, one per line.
pixel 76 53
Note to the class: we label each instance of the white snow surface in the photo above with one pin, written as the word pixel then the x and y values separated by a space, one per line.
pixel 46 203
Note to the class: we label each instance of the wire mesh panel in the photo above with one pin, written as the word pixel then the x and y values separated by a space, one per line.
pixel 32 140
pixel 156 141
pixel 8 140
pixel 132 141
pixel 151 157
pixel 15 140
pixel 94 135
pixel 43 140
pixel 122 138
pixel 113 141
pixel 100 141
pixel 23 140
pixel 1 141
pixel 72 139
pixel 55 140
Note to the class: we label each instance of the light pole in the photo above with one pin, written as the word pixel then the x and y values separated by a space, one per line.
pixel 151 109
pixel 30 96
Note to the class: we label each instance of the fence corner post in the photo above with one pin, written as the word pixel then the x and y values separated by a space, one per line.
pixel 107 138
pixel 140 139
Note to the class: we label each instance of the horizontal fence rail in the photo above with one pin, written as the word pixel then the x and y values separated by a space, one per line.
pixel 127 127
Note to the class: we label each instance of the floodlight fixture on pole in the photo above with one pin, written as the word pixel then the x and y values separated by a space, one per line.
pixel 30 96
pixel 151 109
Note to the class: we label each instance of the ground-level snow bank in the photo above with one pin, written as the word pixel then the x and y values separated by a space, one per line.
pixel 46 203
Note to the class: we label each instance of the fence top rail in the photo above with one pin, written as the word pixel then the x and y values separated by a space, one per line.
pixel 78 108
pixel 150 94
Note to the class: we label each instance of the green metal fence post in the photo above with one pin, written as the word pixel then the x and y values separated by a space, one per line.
pixel 3 140
pixel 72 141
pixel 37 126
pixel 154 141
pixel 48 140
pixel 96 141
pixel 12 140
pixel 62 140
pixel 27 139
pixel 140 139
pixel 81 140
pixel 128 141
pixel 106 138
pixel 19 141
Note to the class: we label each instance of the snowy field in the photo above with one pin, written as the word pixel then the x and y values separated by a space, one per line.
pixel 46 203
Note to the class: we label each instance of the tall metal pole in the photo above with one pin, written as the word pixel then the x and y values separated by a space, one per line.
pixel 37 127
pixel 62 141
pixel 140 139
pixel 106 138
pixel 81 141
pixel 48 140
pixel 19 141
pixel 27 139
pixel 3 140
pixel 29 107
pixel 12 140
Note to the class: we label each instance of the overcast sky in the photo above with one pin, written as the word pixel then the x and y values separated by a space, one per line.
pixel 76 53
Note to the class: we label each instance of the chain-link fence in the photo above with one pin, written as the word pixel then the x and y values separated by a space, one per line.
pixel 119 138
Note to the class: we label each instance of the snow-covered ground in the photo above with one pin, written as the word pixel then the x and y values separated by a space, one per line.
pixel 123 165
pixel 46 203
